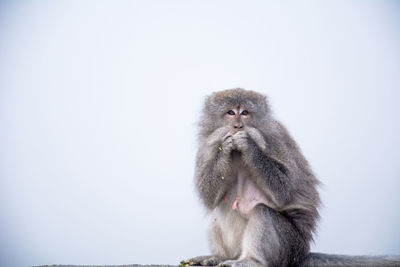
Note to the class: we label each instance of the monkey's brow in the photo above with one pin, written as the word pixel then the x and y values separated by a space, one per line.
pixel 233 108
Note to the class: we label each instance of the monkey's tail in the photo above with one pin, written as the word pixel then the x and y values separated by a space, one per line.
pixel 321 259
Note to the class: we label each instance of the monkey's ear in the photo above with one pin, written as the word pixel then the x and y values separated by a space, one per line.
pixel 264 99
pixel 263 103
pixel 210 106
pixel 207 103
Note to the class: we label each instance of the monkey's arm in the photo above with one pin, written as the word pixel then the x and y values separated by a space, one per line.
pixel 213 167
pixel 281 171
pixel 272 174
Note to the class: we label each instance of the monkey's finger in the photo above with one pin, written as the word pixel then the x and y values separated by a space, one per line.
pixel 227 136
pixel 240 134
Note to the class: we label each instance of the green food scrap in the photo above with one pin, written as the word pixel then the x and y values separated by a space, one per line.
pixel 184 263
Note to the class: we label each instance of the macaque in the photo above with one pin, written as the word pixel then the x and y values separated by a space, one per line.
pixel 258 188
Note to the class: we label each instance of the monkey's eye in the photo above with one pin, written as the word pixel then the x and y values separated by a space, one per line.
pixel 245 112
pixel 231 112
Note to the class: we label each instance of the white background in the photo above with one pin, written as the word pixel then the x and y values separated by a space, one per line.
pixel 99 105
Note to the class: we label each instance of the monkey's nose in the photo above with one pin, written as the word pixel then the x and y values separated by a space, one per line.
pixel 238 126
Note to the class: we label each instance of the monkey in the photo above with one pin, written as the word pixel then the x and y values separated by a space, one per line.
pixel 258 189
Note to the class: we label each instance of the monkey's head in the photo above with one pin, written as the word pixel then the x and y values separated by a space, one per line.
pixel 234 108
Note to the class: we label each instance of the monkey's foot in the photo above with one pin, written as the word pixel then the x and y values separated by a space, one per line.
pixel 239 263
pixel 204 261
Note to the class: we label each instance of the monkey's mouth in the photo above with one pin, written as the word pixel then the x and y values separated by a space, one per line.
pixel 236 152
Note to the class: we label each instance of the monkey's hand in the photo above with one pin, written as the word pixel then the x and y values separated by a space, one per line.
pixel 227 144
pixel 240 141
pixel 257 137
pixel 217 136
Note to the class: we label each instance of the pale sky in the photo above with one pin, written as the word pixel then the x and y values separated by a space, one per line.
pixel 100 100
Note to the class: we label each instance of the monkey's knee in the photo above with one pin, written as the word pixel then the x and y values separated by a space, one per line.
pixel 262 216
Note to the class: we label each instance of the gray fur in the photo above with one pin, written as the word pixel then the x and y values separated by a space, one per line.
pixel 278 231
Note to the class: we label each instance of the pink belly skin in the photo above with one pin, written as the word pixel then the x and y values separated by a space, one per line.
pixel 247 196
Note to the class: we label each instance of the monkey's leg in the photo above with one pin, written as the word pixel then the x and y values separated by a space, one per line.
pixel 270 240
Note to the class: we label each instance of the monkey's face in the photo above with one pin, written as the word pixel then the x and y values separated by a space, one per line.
pixel 234 110
pixel 237 118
